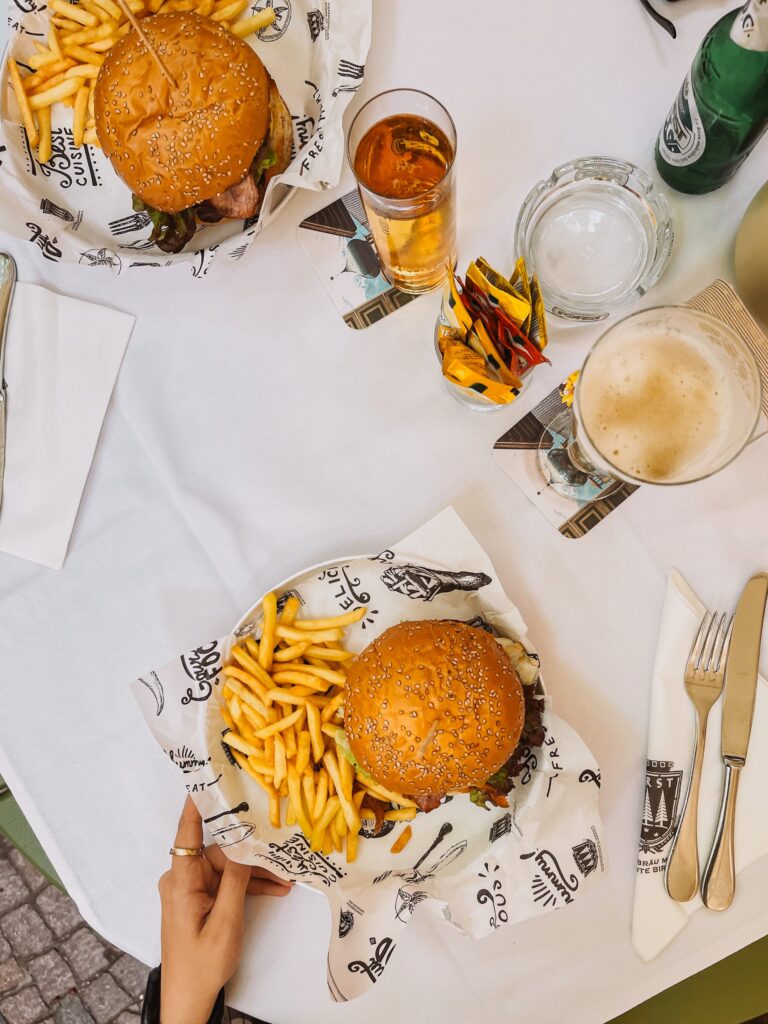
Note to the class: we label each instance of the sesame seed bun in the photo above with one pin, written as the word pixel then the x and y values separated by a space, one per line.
pixel 433 707
pixel 177 147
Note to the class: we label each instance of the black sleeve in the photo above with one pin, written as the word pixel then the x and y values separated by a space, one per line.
pixel 150 1009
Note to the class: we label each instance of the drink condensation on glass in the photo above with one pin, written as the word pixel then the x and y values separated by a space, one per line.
pixel 402 146
pixel 666 396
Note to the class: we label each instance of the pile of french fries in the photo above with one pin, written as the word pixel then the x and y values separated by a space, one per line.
pixel 80 34
pixel 283 705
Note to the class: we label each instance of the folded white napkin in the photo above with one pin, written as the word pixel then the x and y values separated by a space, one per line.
pixel 61 362
pixel 657 919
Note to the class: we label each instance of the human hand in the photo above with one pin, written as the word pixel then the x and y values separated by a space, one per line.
pixel 202 922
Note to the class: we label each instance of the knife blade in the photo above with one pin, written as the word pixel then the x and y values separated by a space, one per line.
pixel 741 674
pixel 7 283
pixel 741 669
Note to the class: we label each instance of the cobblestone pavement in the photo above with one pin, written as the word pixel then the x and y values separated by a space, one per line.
pixel 54 969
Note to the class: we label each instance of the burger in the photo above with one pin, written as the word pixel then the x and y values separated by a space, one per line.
pixel 202 150
pixel 438 707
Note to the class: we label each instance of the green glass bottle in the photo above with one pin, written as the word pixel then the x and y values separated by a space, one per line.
pixel 721 110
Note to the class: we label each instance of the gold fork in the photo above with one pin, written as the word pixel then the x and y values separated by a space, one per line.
pixel 704 673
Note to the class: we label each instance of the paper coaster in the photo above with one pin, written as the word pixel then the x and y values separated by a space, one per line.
pixel 518 453
pixel 337 240
pixel 521 448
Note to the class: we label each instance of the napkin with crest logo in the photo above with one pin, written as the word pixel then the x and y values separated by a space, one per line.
pixel 657 919
pixel 483 870
pixel 61 363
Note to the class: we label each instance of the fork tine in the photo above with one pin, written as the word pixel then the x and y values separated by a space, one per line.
pixel 722 654
pixel 707 655
pixel 698 644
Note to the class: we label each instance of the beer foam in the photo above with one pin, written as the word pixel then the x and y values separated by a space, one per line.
pixel 654 406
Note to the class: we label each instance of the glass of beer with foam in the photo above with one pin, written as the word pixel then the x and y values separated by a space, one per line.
pixel 665 396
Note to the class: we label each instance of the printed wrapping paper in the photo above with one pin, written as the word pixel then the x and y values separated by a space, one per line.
pixel 656 918
pixel 75 209
pixel 485 869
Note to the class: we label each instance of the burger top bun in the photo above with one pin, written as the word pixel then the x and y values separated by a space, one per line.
pixel 432 707
pixel 176 147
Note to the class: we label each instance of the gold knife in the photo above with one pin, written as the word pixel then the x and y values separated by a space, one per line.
pixel 718 882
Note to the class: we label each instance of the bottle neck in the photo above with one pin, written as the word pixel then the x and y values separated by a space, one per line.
pixel 750 26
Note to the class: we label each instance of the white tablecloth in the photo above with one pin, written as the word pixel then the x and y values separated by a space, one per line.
pixel 252 433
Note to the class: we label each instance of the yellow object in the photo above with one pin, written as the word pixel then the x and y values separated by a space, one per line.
pixel 516 306
pixel 466 368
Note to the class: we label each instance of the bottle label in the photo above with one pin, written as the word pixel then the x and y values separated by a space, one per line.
pixel 682 138
pixel 750 26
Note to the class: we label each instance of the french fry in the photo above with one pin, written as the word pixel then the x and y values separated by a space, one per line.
pixel 24 102
pixel 318 637
pixel 322 823
pixel 281 696
pixel 300 679
pixel 291 653
pixel 327 845
pixel 334 622
pixel 254 684
pixel 53 41
pixel 48 83
pixel 262 766
pixel 328 653
pixel 340 823
pixel 254 719
pixel 65 24
pixel 329 674
pixel 248 697
pixel 351 851
pixel 321 794
pixel 402 840
pixel 232 739
pixel 246 26
pixel 335 837
pixel 315 732
pixel 84 54
pixel 204 9
pixel 292 605
pixel 290 817
pixel 253 647
pixel 46 74
pixel 82 71
pixel 269 748
pixel 44 125
pixel 294 795
pixel 290 743
pixel 91 99
pixel 332 707
pixel 386 794
pixel 347 776
pixel 252 665
pixel 37 60
pixel 101 45
pixel 268 625
pixel 225 713
pixel 58 92
pixel 308 791
pixel 303 750
pixel 74 12
pixel 280 761
pixel 402 814
pixel 276 727
pixel 112 9
pixel 93 35
pixel 283 791
pixel 350 811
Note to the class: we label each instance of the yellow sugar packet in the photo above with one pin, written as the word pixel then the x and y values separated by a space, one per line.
pixel 514 305
pixel 479 340
pixel 466 368
pixel 521 283
pixel 454 310
pixel 537 332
